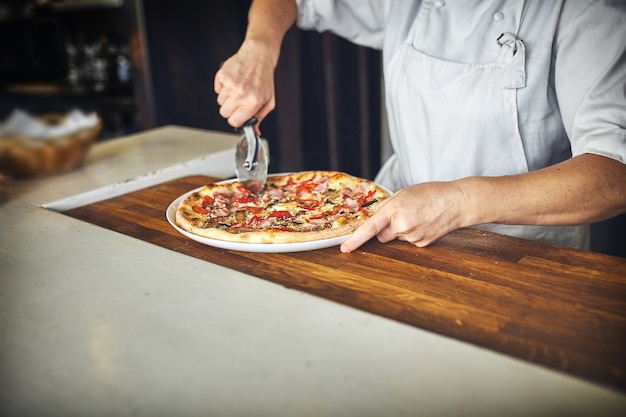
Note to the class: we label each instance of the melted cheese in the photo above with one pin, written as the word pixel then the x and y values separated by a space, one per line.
pixel 289 206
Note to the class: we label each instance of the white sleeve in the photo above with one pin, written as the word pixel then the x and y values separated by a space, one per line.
pixel 359 21
pixel 590 78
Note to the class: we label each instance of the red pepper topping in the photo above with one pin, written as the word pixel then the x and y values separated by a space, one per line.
pixel 366 198
pixel 254 220
pixel 200 210
pixel 244 199
pixel 280 214
pixel 307 185
pixel 243 189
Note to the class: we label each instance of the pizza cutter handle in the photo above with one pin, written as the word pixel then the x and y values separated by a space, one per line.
pixel 251 122
pixel 253 143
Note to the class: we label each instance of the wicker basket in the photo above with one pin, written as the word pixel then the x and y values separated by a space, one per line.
pixel 27 157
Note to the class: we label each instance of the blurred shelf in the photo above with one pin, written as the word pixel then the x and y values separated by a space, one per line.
pixel 59 92
pixel 103 41
pixel 83 4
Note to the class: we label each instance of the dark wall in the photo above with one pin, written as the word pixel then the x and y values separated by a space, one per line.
pixel 186 43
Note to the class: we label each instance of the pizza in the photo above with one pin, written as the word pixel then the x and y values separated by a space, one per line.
pixel 298 207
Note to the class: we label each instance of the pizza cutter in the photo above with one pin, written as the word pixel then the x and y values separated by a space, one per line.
pixel 251 159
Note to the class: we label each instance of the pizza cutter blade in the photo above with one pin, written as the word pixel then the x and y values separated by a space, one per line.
pixel 251 159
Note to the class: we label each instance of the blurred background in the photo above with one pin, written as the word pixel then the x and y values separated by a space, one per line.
pixel 148 63
pixel 142 64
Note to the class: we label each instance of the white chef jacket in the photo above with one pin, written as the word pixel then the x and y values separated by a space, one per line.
pixel 491 88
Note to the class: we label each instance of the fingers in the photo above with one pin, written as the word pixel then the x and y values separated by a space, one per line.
pixel 381 227
pixel 419 215
pixel 244 90
pixel 218 82
pixel 238 107
pixel 237 111
pixel 372 227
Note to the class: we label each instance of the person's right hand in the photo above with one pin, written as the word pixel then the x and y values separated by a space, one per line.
pixel 245 85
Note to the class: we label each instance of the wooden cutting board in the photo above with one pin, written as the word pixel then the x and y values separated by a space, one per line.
pixel 557 307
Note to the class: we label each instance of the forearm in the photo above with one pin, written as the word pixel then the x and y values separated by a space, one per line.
pixel 584 189
pixel 268 21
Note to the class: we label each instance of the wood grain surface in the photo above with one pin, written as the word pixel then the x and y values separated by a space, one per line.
pixel 553 306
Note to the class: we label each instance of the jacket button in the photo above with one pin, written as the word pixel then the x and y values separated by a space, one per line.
pixel 439 4
pixel 498 16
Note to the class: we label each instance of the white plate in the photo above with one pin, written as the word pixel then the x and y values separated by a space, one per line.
pixel 248 247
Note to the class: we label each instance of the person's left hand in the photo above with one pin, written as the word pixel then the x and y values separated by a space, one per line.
pixel 419 214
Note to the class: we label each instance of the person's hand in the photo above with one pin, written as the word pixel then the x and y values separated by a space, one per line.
pixel 245 85
pixel 419 214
